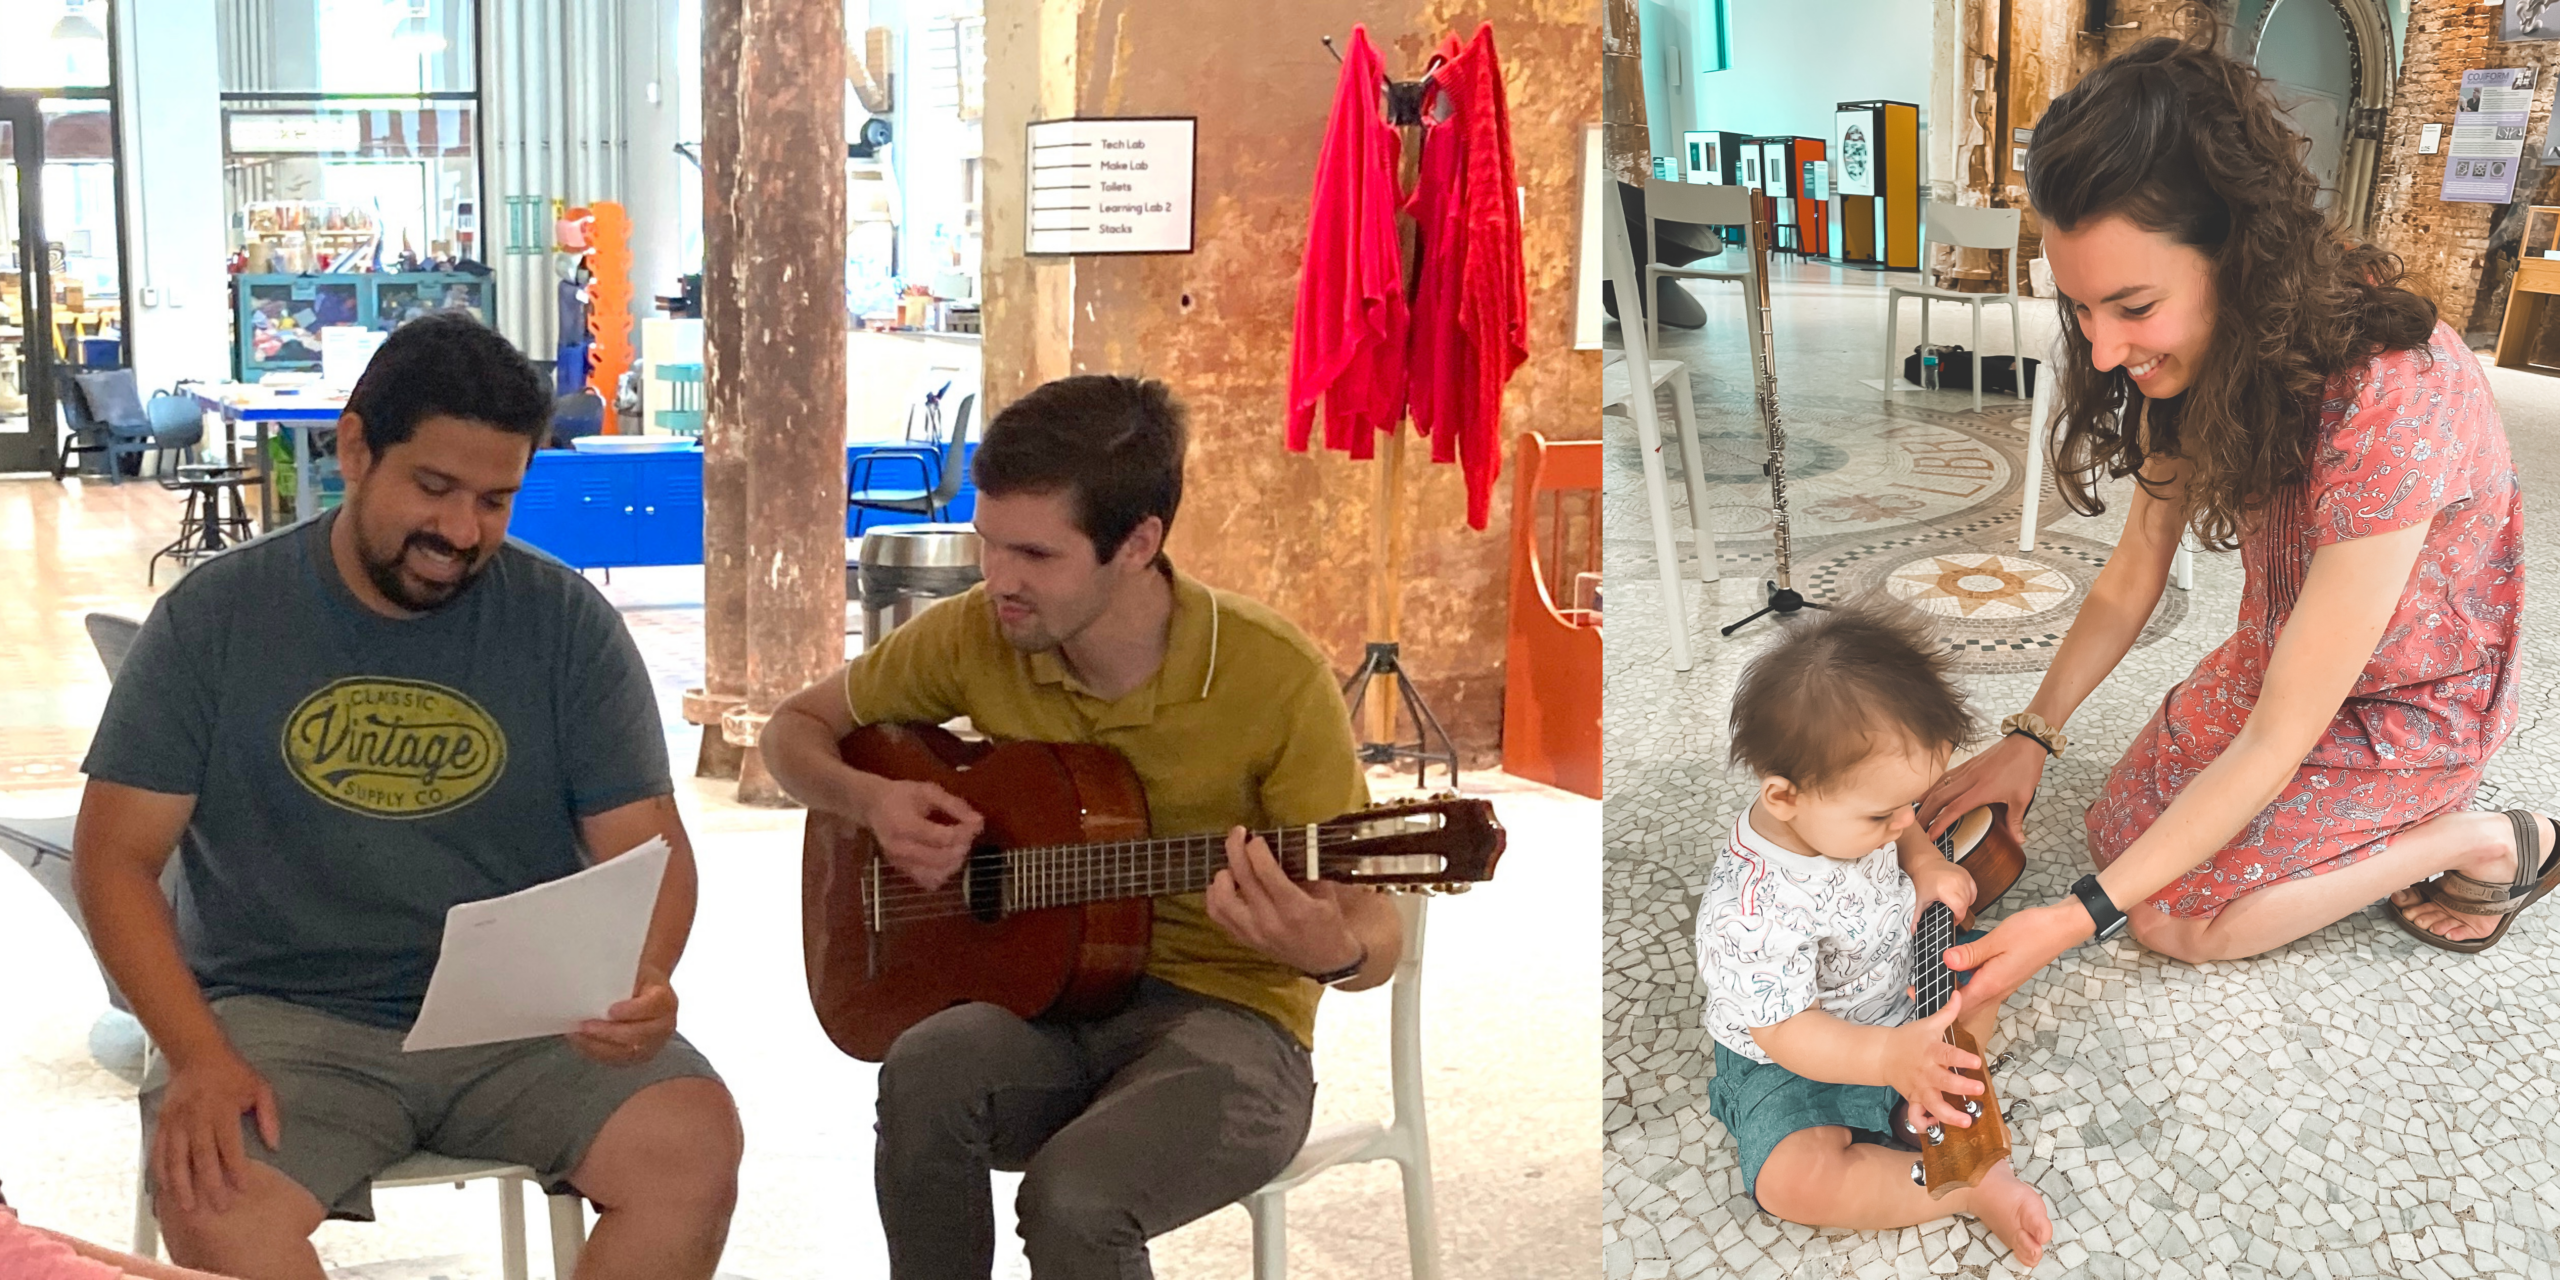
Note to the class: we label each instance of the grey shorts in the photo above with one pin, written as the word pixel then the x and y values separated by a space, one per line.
pixel 354 1104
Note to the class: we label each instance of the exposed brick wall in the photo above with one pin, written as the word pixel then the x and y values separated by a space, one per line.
pixel 2442 244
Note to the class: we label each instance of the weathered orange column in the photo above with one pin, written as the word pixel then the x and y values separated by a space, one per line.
pixel 777 343
pixel 2441 243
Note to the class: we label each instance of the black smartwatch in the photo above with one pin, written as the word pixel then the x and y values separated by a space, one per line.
pixel 2101 908
pixel 1346 972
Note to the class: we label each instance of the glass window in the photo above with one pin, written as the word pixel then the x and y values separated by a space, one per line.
pixel 54 44
pixel 312 181
pixel 347 46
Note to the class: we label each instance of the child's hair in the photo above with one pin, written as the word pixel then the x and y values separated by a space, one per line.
pixel 1833 690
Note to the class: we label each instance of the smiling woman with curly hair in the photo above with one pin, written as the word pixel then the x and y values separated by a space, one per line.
pixel 2271 387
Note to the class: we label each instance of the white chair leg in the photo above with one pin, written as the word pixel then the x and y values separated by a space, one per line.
pixel 2017 349
pixel 2039 409
pixel 1892 348
pixel 1657 495
pixel 1421 1219
pixel 1270 1213
pixel 2182 567
pixel 568 1235
pixel 1693 460
pixel 511 1263
pixel 1977 357
pixel 1652 308
pixel 146 1226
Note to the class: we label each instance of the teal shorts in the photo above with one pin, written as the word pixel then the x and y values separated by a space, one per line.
pixel 1760 1103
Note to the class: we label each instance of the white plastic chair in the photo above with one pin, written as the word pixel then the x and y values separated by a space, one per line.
pixel 2182 571
pixel 1619 386
pixel 1405 1140
pixel 1700 205
pixel 1969 229
pixel 425 1169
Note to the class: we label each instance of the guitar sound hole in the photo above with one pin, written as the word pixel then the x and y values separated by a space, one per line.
pixel 982 884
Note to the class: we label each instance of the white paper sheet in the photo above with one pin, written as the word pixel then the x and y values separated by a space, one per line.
pixel 539 962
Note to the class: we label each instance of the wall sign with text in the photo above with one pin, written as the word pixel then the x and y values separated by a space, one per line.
pixel 1112 185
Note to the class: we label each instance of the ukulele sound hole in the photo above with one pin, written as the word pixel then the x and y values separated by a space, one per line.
pixel 982 884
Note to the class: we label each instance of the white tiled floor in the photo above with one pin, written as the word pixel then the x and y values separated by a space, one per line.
pixel 2354 1104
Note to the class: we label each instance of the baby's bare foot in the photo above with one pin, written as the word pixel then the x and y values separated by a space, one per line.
pixel 2015 1213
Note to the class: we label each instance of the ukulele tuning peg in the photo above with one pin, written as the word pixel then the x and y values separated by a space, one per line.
pixel 1460 887
pixel 1937 1134
pixel 1973 1108
pixel 1919 1176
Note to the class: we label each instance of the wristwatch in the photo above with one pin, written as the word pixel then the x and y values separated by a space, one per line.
pixel 2101 908
pixel 1346 972
pixel 2046 736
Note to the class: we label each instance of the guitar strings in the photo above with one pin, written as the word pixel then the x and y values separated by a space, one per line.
pixel 1063 875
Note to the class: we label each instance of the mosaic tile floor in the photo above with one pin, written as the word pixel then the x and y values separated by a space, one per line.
pixel 2355 1104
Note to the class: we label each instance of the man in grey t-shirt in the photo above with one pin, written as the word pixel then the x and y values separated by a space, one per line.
pixel 346 728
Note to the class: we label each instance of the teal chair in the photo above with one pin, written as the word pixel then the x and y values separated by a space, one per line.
pixel 683 414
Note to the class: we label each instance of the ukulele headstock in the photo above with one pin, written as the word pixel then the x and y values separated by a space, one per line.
pixel 1952 1159
pixel 1445 844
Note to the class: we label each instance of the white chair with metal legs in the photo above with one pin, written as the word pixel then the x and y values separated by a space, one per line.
pixel 1698 204
pixel 1405 1140
pixel 568 1212
pixel 2040 423
pixel 1963 228
pixel 1619 385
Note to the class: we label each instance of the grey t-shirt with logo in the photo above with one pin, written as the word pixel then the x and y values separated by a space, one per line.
pixel 356 775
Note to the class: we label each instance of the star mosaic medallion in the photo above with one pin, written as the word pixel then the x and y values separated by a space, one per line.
pixel 1981 585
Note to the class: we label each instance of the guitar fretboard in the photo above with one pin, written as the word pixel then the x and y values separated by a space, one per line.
pixel 1931 982
pixel 1063 875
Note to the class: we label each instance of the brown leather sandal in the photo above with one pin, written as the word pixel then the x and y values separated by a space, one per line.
pixel 2537 873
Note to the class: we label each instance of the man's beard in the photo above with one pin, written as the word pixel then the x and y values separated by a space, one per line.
pixel 417 595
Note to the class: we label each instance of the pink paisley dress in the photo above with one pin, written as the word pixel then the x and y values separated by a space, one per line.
pixel 2411 437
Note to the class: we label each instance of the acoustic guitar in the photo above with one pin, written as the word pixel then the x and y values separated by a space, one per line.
pixel 1955 1158
pixel 1051 912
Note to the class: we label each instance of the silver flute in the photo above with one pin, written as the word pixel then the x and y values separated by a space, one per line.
pixel 1768 387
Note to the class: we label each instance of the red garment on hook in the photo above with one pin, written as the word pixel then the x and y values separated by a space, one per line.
pixel 1470 307
pixel 1348 347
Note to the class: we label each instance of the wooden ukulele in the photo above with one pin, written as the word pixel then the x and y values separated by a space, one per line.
pixel 1052 911
pixel 1954 1158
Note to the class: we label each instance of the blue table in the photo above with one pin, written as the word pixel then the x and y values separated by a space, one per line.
pixel 301 413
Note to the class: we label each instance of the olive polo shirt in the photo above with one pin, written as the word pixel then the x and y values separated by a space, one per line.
pixel 1242 725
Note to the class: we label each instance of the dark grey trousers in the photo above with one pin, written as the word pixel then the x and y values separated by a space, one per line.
pixel 1124 1128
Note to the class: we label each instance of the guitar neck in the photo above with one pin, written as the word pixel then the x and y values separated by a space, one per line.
pixel 1931 983
pixel 1073 874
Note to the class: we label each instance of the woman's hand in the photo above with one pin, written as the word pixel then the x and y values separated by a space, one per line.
pixel 2006 774
pixel 2003 959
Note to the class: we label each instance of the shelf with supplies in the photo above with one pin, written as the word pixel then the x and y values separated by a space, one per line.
pixel 278 318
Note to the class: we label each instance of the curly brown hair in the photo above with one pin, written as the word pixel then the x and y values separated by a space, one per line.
pixel 1837 688
pixel 2182 140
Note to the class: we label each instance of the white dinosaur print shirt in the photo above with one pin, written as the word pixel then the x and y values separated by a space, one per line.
pixel 1780 932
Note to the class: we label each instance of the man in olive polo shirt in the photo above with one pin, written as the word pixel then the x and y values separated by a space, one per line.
pixel 1200 1089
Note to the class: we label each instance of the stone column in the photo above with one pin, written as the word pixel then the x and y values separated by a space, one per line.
pixel 779 351
pixel 2441 244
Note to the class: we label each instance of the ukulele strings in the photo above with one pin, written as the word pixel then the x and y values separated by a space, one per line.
pixel 1931 978
pixel 1067 875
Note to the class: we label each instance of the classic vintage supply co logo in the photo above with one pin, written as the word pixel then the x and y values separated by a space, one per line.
pixel 393 748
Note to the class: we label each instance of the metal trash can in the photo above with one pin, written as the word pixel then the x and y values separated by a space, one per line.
pixel 902 569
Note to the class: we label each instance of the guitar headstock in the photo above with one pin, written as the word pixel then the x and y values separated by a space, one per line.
pixel 1445 844
pixel 1952 1159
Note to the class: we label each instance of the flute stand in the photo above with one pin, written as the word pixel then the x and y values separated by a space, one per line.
pixel 1782 601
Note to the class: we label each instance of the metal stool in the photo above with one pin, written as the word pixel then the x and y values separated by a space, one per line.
pixel 204 529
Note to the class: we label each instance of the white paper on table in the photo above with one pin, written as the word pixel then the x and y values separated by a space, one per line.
pixel 539 962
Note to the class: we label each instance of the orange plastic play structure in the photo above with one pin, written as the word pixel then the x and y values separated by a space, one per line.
pixel 1551 680
pixel 608 300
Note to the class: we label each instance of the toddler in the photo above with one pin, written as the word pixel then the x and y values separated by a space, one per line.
pixel 1804 937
